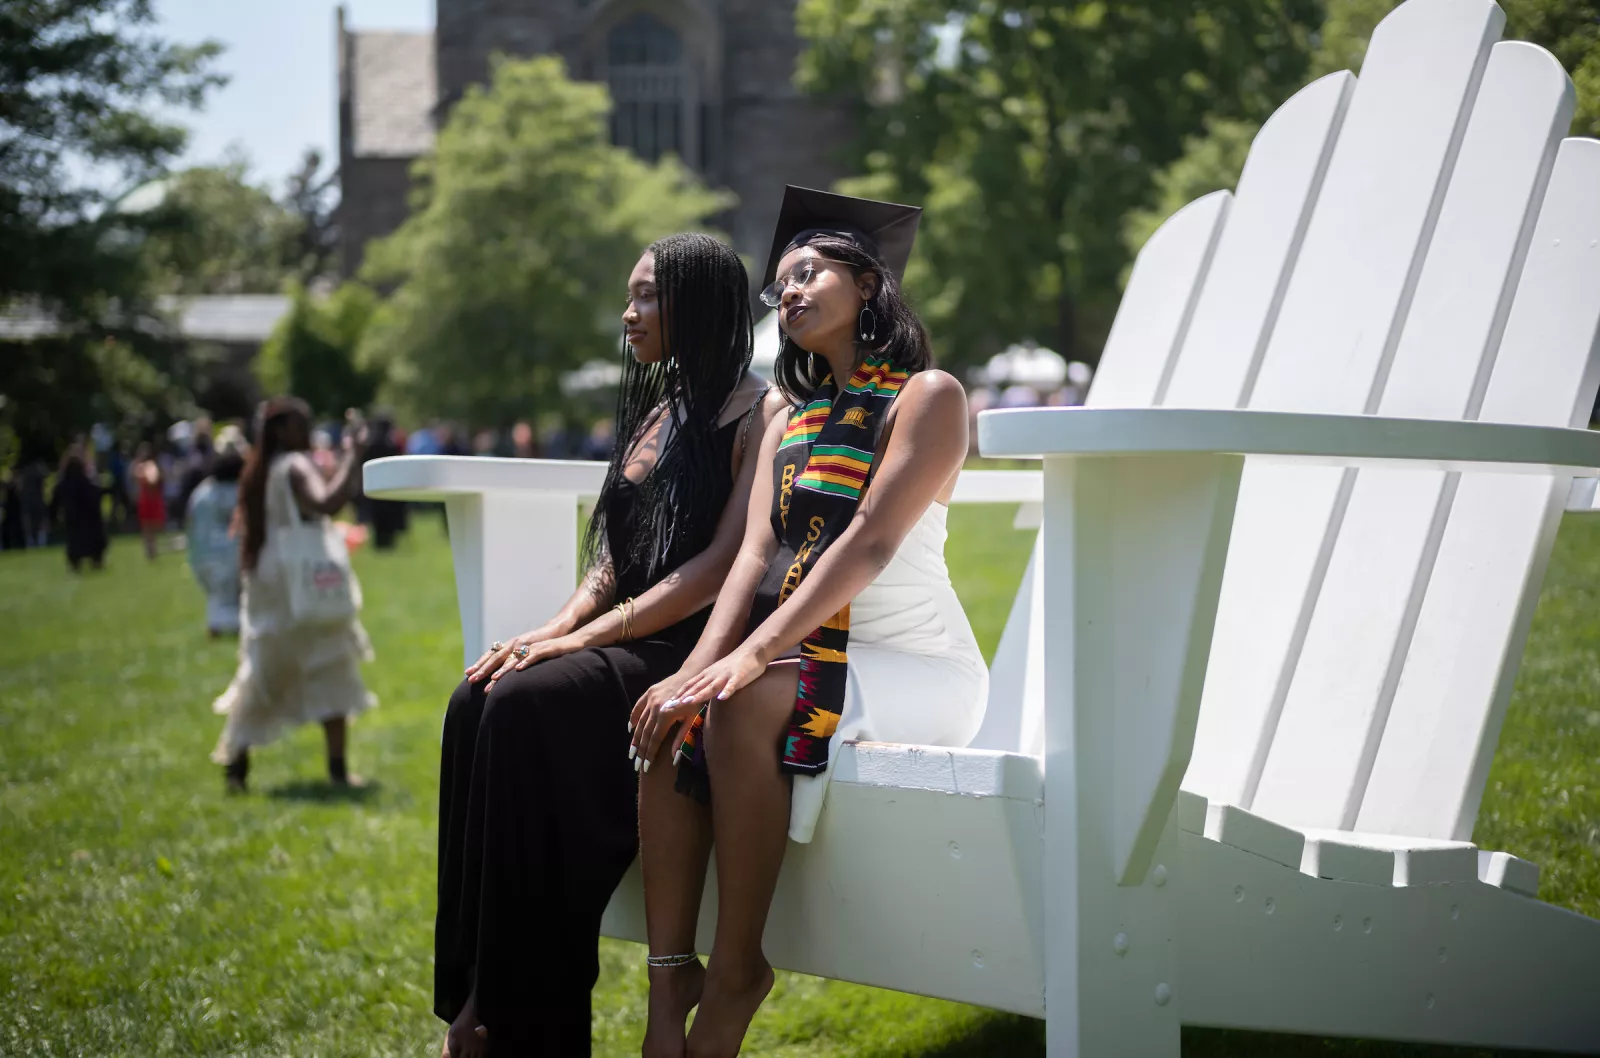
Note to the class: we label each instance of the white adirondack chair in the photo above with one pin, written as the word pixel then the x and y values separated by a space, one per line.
pixel 1289 558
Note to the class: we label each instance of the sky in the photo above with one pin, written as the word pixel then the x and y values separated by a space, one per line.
pixel 283 96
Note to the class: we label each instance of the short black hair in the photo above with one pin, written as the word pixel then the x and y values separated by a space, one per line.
pixel 900 335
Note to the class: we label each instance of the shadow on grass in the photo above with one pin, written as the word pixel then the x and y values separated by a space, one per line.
pixel 999 1036
pixel 1225 1043
pixel 1008 1036
pixel 321 791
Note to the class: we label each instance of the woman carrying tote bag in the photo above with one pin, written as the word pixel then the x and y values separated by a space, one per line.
pixel 301 644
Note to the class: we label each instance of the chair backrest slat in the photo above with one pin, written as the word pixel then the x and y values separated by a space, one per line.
pixel 1149 329
pixel 1338 699
pixel 1444 721
pixel 1329 351
pixel 1244 288
pixel 1157 306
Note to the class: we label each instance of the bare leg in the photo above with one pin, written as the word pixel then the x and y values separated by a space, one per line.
pixel 674 849
pixel 333 731
pixel 149 533
pixel 750 822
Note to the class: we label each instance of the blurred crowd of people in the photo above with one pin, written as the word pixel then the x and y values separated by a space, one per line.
pixel 519 442
pixel 148 487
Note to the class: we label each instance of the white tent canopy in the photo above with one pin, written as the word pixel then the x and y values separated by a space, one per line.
pixel 1025 364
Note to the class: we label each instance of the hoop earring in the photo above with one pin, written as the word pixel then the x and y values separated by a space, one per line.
pixel 867 324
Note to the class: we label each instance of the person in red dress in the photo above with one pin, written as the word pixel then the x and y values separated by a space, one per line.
pixel 151 505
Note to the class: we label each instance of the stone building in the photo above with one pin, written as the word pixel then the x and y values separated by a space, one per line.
pixel 708 80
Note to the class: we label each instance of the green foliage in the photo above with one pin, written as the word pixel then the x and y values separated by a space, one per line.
pixel 214 232
pixel 78 82
pixel 57 387
pixel 312 352
pixel 311 199
pixel 146 913
pixel 1570 29
pixel 513 265
pixel 1210 162
pixel 1028 130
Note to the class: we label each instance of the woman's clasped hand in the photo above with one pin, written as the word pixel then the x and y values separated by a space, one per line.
pixel 676 701
pixel 519 652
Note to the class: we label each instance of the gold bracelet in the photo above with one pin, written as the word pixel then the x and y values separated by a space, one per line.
pixel 630 617
pixel 624 610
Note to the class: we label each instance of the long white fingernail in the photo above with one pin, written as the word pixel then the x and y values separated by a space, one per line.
pixel 676 757
pixel 647 767
pixel 722 696
pixel 687 699
pixel 670 703
pixel 630 727
pixel 632 752
pixel 636 764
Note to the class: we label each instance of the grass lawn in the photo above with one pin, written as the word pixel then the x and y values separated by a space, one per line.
pixel 144 913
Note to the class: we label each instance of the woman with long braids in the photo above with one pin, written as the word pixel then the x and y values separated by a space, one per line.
pixel 537 817
pixel 290 672
pixel 837 620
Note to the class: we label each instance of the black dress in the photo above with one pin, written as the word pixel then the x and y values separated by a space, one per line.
pixel 538 823
pixel 77 501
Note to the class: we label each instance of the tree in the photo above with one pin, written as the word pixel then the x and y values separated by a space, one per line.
pixel 214 232
pixel 78 82
pixel 1028 129
pixel 1570 29
pixel 513 264
pixel 311 200
pixel 77 79
pixel 312 351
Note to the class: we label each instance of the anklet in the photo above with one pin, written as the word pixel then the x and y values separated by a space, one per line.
pixel 669 961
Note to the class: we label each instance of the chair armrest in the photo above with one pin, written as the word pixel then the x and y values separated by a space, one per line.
pixel 513 532
pixel 999 486
pixel 1316 438
pixel 437 478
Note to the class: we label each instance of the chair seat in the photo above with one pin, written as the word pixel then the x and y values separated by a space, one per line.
pixel 1355 856
pixel 965 772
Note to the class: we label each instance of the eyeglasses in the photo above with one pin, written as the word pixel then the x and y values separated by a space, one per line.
pixel 772 296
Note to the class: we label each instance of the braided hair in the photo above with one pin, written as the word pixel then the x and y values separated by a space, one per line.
pixel 704 298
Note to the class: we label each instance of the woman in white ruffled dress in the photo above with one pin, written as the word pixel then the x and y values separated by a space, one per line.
pixel 290 672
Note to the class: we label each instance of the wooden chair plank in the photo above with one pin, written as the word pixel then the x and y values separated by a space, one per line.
pixel 1338 699
pixel 1329 351
pixel 1156 307
pixel 1138 358
pixel 1444 722
pixel 1244 287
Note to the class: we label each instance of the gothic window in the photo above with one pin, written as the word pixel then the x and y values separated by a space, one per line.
pixel 654 110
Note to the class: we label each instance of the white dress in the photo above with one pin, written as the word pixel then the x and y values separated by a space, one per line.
pixel 916 674
pixel 213 553
pixel 289 673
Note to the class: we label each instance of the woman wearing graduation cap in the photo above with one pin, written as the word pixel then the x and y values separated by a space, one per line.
pixel 837 620
pixel 536 796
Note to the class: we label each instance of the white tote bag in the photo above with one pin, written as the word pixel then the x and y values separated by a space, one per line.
pixel 315 564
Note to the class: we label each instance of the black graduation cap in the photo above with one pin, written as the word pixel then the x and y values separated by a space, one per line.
pixel 885 230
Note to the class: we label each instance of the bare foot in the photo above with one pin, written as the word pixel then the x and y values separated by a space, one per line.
pixel 674 991
pixel 731 1001
pixel 466 1038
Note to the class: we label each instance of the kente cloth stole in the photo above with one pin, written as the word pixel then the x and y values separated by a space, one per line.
pixel 822 466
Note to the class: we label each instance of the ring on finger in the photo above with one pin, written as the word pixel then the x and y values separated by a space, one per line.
pixel 498 646
pixel 522 651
